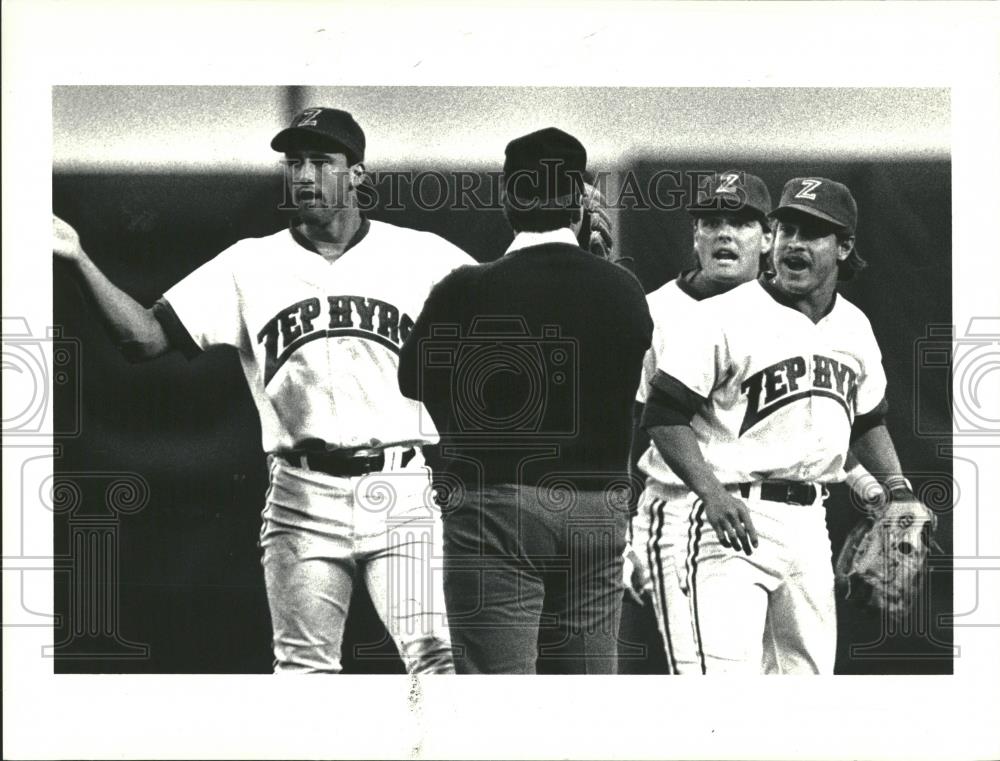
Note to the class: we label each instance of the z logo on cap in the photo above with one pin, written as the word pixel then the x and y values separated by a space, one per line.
pixel 808 186
pixel 308 117
pixel 726 186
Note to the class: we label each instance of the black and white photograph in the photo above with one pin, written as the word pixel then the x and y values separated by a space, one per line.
pixel 515 397
pixel 202 451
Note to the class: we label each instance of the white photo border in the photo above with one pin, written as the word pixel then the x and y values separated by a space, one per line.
pixel 949 45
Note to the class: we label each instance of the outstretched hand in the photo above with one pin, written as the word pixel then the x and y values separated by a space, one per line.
pixel 65 240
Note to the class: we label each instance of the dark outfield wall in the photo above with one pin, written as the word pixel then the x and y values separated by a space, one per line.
pixel 179 588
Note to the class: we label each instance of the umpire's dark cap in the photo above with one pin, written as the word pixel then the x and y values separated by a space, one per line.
pixel 326 129
pixel 546 166
pixel 731 192
pixel 822 198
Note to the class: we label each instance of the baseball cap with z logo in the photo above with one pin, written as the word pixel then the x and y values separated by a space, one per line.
pixel 731 191
pixel 328 129
pixel 822 198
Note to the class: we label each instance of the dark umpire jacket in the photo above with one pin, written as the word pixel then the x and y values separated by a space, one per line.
pixel 529 366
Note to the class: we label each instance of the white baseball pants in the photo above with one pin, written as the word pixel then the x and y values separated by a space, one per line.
pixel 320 532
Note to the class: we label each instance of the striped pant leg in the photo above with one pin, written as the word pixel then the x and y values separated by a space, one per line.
pixel 728 595
pixel 659 535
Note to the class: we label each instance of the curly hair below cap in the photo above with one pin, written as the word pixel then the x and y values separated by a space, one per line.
pixel 852 265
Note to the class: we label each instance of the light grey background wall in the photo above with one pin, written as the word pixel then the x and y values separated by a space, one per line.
pixel 228 128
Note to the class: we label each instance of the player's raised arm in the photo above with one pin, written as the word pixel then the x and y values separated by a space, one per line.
pixel 134 329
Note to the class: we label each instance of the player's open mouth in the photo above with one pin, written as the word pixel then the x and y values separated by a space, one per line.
pixel 725 254
pixel 795 262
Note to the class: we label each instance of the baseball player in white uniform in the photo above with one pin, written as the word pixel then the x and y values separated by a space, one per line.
pixel 317 313
pixel 753 405
pixel 731 237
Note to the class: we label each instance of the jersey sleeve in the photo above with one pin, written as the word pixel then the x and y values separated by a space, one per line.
pixel 446 258
pixel 695 353
pixel 654 303
pixel 648 370
pixel 207 303
pixel 872 383
pixel 689 358
pixel 649 364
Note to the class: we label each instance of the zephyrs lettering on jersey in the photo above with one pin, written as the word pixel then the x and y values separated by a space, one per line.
pixel 310 319
pixel 785 382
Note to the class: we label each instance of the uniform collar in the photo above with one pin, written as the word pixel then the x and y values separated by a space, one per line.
pixel 787 301
pixel 527 239
pixel 685 281
pixel 359 235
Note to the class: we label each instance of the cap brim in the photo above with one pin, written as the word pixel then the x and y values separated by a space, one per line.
pixel 810 211
pixel 297 137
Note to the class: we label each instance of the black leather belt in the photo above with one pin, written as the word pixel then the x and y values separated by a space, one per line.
pixel 792 492
pixel 342 463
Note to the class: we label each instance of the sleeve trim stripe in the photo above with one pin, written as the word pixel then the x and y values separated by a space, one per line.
pixel 177 334
pixel 869 420
pixel 681 395
pixel 663 409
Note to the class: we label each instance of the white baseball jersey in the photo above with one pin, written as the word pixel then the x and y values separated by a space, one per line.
pixel 671 305
pixel 782 392
pixel 319 341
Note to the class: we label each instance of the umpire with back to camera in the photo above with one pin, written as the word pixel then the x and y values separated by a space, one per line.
pixel 754 410
pixel 528 366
